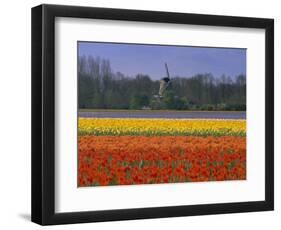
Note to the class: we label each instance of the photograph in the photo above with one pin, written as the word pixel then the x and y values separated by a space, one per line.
pixel 141 114
pixel 153 114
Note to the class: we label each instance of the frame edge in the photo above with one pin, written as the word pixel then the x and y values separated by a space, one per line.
pixel 36 114
pixel 269 113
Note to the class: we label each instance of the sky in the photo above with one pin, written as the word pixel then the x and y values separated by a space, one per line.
pixel 183 61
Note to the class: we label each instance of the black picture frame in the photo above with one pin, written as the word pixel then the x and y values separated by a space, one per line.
pixel 43 114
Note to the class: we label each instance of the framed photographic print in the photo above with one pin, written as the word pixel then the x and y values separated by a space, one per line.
pixel 142 114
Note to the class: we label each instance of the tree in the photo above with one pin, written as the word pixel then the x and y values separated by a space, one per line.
pixel 99 87
pixel 139 101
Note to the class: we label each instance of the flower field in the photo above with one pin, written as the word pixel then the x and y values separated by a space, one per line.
pixel 161 127
pixel 145 151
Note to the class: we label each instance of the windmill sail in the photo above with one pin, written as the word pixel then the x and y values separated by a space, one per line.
pixel 167 70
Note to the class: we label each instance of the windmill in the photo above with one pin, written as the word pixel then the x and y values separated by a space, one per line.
pixel 164 82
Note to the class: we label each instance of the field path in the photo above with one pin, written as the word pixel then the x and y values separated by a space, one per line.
pixel 164 114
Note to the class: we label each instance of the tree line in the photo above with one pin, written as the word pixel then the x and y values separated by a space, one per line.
pixel 101 88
